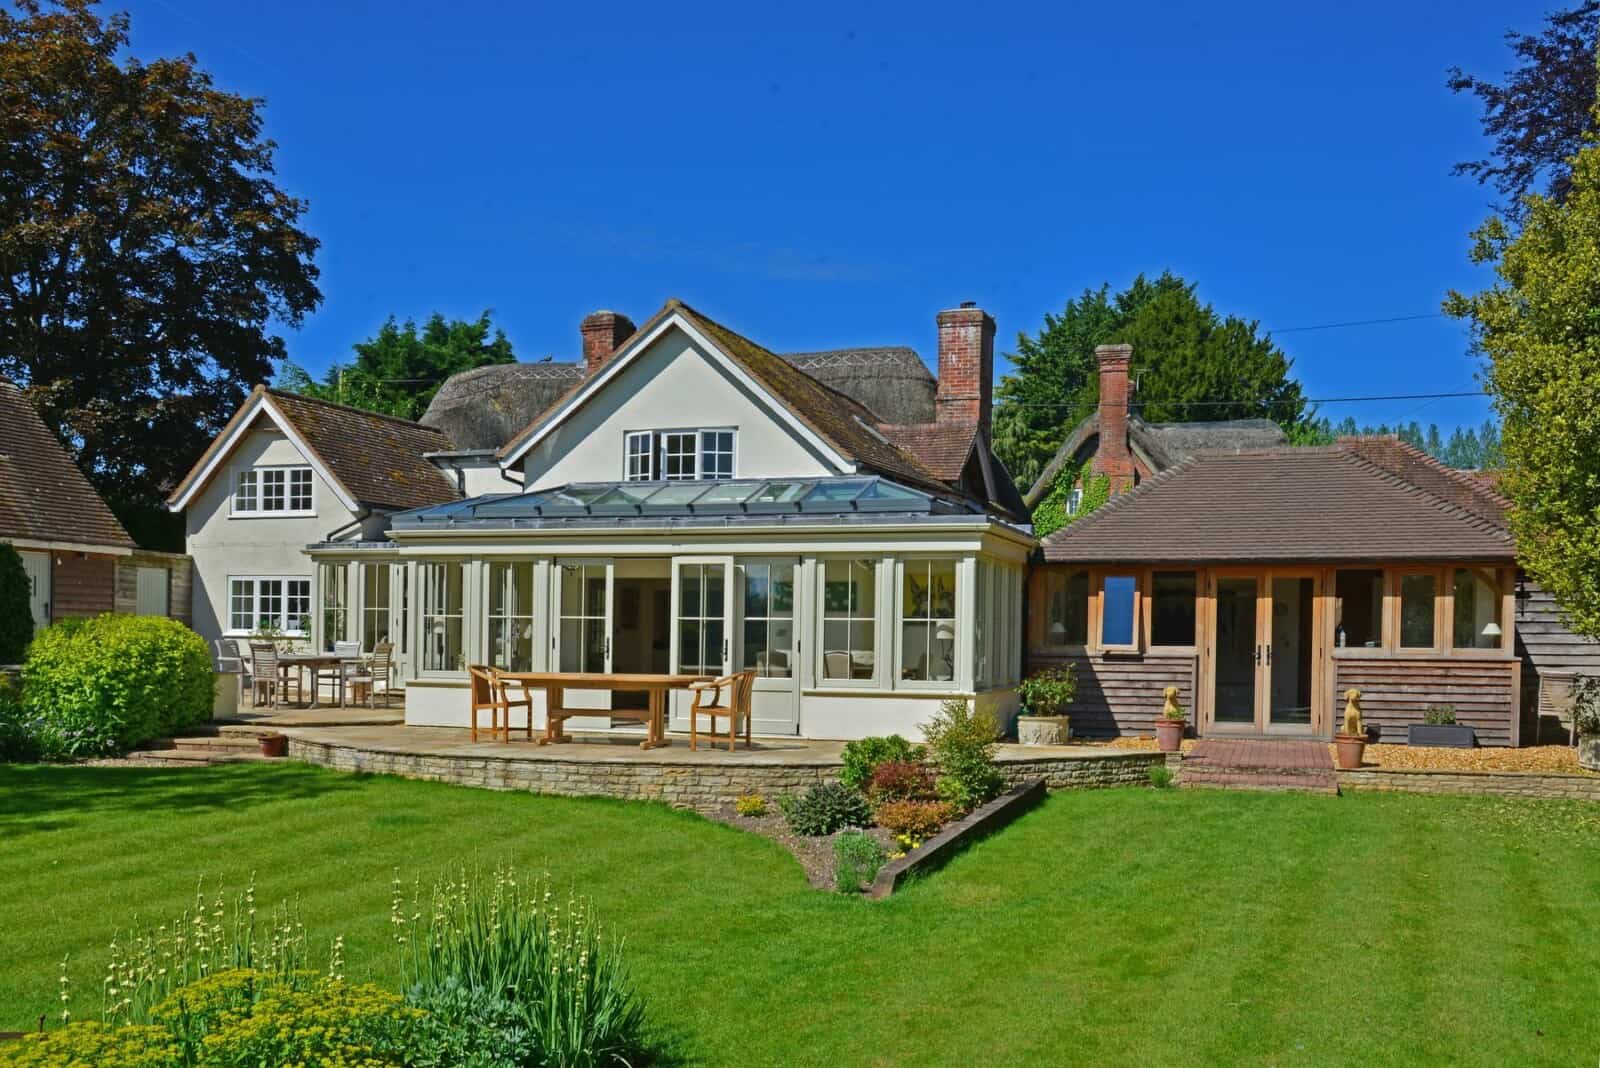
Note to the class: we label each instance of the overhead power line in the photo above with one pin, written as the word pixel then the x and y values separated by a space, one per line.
pixel 1356 322
pixel 1269 403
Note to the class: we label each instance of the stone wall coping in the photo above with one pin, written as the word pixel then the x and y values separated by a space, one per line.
pixel 1475 773
pixel 592 755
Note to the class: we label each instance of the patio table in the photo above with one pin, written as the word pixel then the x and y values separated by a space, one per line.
pixel 317 663
pixel 556 683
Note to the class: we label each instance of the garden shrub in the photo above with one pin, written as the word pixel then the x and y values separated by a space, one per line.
pixel 862 756
pixel 825 808
pixel 90 1043
pixel 900 780
pixel 857 858
pixel 16 606
pixel 19 731
pixel 464 1025
pixel 1439 715
pixel 484 942
pixel 1160 776
pixel 106 684
pixel 1048 691
pixel 962 742
pixel 914 822
pixel 750 804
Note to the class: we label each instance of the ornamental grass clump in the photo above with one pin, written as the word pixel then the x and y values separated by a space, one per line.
pixel 527 977
pixel 857 858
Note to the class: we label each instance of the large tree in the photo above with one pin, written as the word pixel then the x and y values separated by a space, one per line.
pixel 398 371
pixel 145 250
pixel 1539 118
pixel 1538 326
pixel 1191 363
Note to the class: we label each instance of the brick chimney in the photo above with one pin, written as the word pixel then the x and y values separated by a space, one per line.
pixel 966 366
pixel 603 332
pixel 1113 458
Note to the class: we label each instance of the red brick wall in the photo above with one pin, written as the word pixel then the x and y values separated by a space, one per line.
pixel 966 366
pixel 603 332
pixel 1114 459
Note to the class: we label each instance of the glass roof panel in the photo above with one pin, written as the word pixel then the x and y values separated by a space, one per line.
pixel 837 492
pixel 780 493
pixel 727 493
pixel 676 494
pixel 626 494
pixel 511 504
pixel 888 491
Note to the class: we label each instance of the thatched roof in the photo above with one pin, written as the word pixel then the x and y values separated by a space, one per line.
pixel 483 408
pixel 893 383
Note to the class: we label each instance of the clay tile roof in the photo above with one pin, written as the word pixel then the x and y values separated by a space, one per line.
pixel 43 494
pixel 378 458
pixel 943 448
pixel 1470 490
pixel 1303 505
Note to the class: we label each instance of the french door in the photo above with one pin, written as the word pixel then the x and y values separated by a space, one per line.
pixel 766 642
pixel 702 623
pixel 581 638
pixel 1265 637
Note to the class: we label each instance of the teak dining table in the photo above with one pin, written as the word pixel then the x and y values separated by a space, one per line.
pixel 556 683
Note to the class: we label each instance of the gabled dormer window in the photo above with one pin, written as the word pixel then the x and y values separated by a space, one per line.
pixel 678 455
pixel 273 491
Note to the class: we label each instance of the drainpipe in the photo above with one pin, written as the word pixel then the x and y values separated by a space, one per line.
pixel 461 476
pixel 361 517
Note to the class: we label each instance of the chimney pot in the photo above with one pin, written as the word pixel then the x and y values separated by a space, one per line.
pixel 1113 458
pixel 966 366
pixel 603 333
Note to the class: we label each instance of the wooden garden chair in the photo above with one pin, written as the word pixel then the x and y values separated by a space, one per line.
pixel 503 698
pixel 379 668
pixel 483 697
pixel 728 696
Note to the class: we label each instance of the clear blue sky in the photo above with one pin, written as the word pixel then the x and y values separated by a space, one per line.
pixel 822 175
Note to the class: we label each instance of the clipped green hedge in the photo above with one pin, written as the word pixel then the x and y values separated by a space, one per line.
pixel 16 608
pixel 104 685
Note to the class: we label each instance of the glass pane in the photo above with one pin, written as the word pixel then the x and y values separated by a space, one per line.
pixel 755 656
pixel 594 591
pixel 511 644
pixel 594 646
pixel 728 493
pixel 714 579
pixel 835 649
pixel 1358 606
pixel 916 649
pixel 826 492
pixel 862 639
pixel 1172 608
pixel 1416 611
pixel 1118 609
pixel 780 639
pixel 691 598
pixel 690 650
pixel 780 493
pixel 1477 609
pixel 757 590
pixel 783 589
pixel 572 657
pixel 1293 612
pixel 1236 651
pixel 1067 614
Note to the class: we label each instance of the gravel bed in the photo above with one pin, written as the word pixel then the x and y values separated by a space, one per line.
pixel 1562 759
pixel 814 854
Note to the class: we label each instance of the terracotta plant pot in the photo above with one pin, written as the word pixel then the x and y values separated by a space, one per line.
pixel 1349 748
pixel 1169 734
pixel 274 745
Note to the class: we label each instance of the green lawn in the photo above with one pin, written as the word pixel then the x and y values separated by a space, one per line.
pixel 1127 926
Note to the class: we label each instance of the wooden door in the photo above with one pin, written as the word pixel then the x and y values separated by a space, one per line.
pixel 1265 651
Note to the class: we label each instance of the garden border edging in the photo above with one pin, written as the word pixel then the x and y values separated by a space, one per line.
pixel 938 849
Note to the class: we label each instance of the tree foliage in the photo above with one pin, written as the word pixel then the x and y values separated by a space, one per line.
pixel 1539 118
pixel 1476 448
pixel 16 607
pixel 398 371
pixel 144 248
pixel 1191 364
pixel 1540 330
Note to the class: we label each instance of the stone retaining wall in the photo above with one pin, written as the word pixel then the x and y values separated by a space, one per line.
pixel 1129 767
pixel 703 785
pixel 1500 784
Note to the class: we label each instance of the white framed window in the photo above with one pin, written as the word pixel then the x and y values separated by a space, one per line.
pixel 769 610
pixel 334 579
pixel 679 455
pixel 510 616
pixel 1075 500
pixel 679 450
pixel 640 446
pixel 849 621
pixel 716 454
pixel 928 621
pixel 441 593
pixel 273 491
pixel 258 603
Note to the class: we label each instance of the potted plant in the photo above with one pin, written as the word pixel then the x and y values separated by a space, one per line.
pixel 1351 742
pixel 273 744
pixel 1045 695
pixel 1169 728
pixel 1586 720
pixel 1439 727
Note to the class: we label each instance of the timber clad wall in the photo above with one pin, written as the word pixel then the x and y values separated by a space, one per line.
pixel 1121 694
pixel 82 585
pixel 1395 692
pixel 180 583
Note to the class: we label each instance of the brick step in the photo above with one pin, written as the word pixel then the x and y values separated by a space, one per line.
pixel 1251 769
pixel 1317 782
